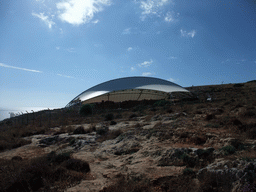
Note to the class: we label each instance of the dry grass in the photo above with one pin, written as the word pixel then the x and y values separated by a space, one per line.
pixel 52 172
pixel 111 134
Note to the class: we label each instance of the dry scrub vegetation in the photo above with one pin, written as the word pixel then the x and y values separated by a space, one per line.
pixel 203 124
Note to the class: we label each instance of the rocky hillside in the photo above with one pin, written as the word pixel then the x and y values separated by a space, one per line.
pixel 203 145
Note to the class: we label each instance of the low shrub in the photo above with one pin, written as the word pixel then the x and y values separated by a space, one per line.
pixel 12 143
pixel 53 157
pixel 79 130
pixel 109 117
pixel 228 150
pixel 188 160
pixel 112 123
pixel 139 108
pixel 188 171
pixel 41 173
pixel 161 103
pixel 238 85
pixel 170 110
pixel 251 133
pixel 249 113
pixel 102 130
pixel 133 115
pixel 213 125
pixel 72 141
pixel 77 165
pixel 131 184
pixel 110 135
pixel 119 116
pixel 209 117
pixel 86 110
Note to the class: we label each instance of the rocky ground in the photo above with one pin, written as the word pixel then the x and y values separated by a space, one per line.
pixel 207 145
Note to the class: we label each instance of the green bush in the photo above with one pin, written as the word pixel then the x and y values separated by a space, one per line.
pixel 188 171
pixel 77 165
pixel 109 117
pixel 52 157
pixel 86 110
pixel 133 115
pixel 102 130
pixel 228 150
pixel 161 103
pixel 190 161
pixel 112 123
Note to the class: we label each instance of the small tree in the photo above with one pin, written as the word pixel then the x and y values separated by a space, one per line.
pixel 86 110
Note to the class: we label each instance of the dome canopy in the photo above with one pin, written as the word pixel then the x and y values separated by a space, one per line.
pixel 128 88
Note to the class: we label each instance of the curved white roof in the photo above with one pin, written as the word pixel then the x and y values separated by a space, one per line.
pixel 129 88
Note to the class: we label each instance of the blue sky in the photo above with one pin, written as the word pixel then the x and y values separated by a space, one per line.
pixel 52 50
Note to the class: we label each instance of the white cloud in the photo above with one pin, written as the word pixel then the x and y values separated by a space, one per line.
pixel 171 79
pixel 129 49
pixel 19 68
pixel 45 19
pixel 66 76
pixel 96 21
pixel 146 63
pixel 146 74
pixel 188 34
pixel 133 68
pixel 169 17
pixel 71 50
pixel 42 1
pixel 127 31
pixel 172 57
pixel 151 7
pixel 77 12
pixel 57 48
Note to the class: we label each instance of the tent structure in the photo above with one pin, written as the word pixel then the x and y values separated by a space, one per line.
pixel 128 88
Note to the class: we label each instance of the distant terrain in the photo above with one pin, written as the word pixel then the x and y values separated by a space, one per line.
pixel 203 143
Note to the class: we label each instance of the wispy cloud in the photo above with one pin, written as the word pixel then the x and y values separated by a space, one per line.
pixel 169 17
pixel 57 48
pixel 146 63
pixel 45 19
pixel 151 7
pixel 147 74
pixel 19 68
pixel 172 57
pixel 77 12
pixel 127 31
pixel 96 21
pixel 188 34
pixel 66 76
pixel 133 68
pixel 129 49
pixel 171 79
pixel 71 50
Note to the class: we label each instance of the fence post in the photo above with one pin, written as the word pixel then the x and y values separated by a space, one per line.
pixel 27 117
pixel 49 118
